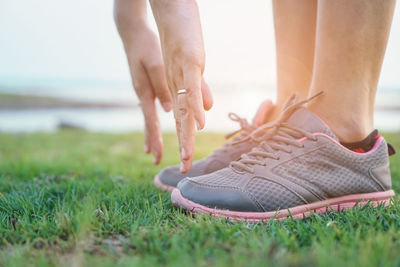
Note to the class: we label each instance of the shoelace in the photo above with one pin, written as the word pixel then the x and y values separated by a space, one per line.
pixel 274 137
pixel 245 129
pixel 244 125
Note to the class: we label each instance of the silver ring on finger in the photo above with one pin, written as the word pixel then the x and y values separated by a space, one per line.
pixel 183 91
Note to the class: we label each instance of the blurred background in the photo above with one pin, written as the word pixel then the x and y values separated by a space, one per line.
pixel 62 64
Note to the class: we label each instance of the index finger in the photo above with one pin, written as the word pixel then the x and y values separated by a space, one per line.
pixel 186 131
pixel 192 81
pixel 153 135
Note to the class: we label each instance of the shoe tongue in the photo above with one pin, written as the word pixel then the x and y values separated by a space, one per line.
pixel 305 119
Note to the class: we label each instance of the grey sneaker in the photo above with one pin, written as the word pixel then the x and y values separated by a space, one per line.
pixel 300 169
pixel 169 177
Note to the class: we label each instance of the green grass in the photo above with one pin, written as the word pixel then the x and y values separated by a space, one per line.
pixel 78 198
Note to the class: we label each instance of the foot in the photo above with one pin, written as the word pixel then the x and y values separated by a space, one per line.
pixel 300 169
pixel 169 177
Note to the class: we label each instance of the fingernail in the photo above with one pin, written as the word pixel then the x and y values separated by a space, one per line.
pixel 155 159
pixel 167 106
pixel 146 149
pixel 182 167
pixel 198 126
pixel 183 154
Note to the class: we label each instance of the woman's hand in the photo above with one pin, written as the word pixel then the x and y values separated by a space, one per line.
pixel 146 66
pixel 181 38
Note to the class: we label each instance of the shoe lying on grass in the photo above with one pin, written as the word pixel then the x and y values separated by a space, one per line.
pixel 299 169
pixel 169 177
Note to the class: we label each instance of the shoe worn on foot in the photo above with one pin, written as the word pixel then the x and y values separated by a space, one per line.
pixel 300 169
pixel 169 177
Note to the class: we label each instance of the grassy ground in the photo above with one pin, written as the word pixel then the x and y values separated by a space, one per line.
pixel 77 198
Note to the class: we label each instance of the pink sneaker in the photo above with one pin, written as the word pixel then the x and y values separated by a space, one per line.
pixel 299 169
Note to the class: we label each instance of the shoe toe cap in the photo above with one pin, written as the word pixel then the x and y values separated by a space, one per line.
pixel 218 197
pixel 171 176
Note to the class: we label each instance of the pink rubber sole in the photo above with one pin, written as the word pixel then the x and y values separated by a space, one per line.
pixel 161 185
pixel 298 212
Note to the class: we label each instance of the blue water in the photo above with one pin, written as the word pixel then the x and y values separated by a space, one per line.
pixel 242 99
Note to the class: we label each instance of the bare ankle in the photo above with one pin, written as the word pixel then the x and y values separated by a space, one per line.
pixel 348 127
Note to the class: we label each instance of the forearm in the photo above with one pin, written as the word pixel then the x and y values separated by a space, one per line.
pixel 179 27
pixel 130 17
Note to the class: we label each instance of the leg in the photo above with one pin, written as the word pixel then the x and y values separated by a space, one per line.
pixel 295 23
pixel 351 40
pixel 350 44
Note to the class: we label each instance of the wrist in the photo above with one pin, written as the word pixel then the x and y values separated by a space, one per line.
pixel 129 19
pixel 130 23
pixel 134 31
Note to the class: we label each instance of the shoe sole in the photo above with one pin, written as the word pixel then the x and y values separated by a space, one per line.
pixel 161 185
pixel 298 212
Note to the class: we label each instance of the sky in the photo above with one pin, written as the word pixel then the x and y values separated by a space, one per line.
pixel 76 41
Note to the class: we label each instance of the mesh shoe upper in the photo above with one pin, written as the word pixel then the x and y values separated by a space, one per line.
pixel 288 170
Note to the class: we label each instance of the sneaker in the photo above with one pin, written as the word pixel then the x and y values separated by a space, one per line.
pixel 300 169
pixel 169 177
